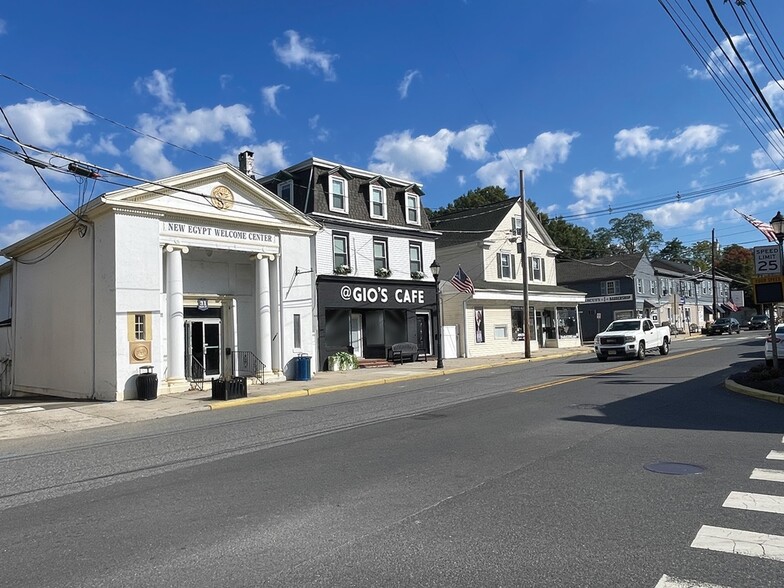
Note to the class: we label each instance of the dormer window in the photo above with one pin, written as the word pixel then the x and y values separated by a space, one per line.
pixel 378 202
pixel 286 191
pixel 412 208
pixel 338 194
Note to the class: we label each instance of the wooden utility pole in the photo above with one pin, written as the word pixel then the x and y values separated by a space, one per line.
pixel 524 259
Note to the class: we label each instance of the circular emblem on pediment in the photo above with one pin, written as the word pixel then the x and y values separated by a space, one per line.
pixel 221 198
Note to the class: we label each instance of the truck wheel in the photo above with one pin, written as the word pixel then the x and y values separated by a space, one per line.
pixel 664 348
pixel 641 351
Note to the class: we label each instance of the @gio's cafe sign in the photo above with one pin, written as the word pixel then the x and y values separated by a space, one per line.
pixel 382 294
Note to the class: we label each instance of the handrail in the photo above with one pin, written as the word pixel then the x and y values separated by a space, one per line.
pixel 245 363
pixel 196 374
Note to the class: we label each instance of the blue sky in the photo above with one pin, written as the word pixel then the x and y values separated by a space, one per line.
pixel 601 102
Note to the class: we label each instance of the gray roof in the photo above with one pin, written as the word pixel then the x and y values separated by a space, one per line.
pixel 473 224
pixel 603 268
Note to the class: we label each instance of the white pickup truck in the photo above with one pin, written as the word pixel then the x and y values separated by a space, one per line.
pixel 631 338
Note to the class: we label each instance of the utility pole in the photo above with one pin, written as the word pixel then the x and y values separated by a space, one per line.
pixel 524 259
pixel 713 271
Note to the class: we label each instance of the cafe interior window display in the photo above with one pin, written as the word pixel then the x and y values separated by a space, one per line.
pixel 567 322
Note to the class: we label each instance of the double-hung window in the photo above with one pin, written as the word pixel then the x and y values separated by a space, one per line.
pixel 505 263
pixel 536 268
pixel 517 225
pixel 380 254
pixel 415 257
pixel 412 208
pixel 653 286
pixel 286 191
pixel 340 257
pixel 639 286
pixel 378 202
pixel 611 287
pixel 338 197
pixel 139 327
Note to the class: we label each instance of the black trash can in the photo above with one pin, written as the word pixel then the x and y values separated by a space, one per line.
pixel 146 383
pixel 302 368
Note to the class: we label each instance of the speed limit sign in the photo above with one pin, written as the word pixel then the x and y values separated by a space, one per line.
pixel 767 260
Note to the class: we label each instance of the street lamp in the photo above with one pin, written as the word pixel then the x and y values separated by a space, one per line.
pixel 435 269
pixel 777 224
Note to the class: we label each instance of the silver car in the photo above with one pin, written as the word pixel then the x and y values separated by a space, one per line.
pixel 779 346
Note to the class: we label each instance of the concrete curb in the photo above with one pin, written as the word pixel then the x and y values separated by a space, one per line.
pixel 380 381
pixel 733 386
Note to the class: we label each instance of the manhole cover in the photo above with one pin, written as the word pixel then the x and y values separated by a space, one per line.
pixel 674 468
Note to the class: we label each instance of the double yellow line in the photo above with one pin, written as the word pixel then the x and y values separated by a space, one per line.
pixel 612 370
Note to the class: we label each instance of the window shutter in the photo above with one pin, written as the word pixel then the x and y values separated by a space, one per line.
pixel 541 263
pixel 604 289
pixel 514 269
pixel 498 263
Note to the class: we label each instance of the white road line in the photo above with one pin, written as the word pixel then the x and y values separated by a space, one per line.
pixel 740 542
pixel 776 455
pixel 670 582
pixel 758 502
pixel 769 475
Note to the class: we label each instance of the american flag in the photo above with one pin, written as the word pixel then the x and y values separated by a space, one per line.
pixel 731 305
pixel 462 282
pixel 764 228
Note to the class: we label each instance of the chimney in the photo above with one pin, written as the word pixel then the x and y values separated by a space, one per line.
pixel 246 163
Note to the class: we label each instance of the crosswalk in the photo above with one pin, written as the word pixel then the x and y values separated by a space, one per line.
pixel 740 541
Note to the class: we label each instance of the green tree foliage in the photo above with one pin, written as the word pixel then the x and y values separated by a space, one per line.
pixel 632 233
pixel 472 199
pixel 737 262
pixel 675 250
pixel 701 255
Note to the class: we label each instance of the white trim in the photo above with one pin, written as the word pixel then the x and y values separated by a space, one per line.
pixel 416 208
pixel 344 183
pixel 290 185
pixel 382 191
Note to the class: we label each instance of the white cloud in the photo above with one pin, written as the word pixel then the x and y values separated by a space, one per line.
pixel 267 157
pixel 402 155
pixel 461 180
pixel 322 133
pixel 22 189
pixel 224 80
pixel 595 191
pixel 688 144
pixel 43 124
pixel 159 85
pixel 16 231
pixel 722 61
pixel 3 28
pixel 774 93
pixel 472 142
pixel 700 214
pixel 106 145
pixel 270 94
pixel 300 53
pixel 406 82
pixel 182 127
pixel 547 149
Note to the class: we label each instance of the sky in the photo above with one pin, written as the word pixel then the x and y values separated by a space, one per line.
pixel 603 103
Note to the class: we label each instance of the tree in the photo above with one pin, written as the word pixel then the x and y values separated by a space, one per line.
pixel 575 241
pixel 631 234
pixel 675 250
pixel 737 262
pixel 701 255
pixel 472 199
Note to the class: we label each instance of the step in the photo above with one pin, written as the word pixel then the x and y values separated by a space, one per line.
pixel 374 363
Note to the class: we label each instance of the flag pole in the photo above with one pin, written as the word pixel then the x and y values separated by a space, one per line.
pixel 524 260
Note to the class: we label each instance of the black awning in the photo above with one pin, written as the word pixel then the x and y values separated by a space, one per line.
pixel 725 308
pixel 708 309
pixel 648 304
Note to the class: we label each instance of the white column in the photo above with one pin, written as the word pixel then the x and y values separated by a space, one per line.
pixel 263 310
pixel 275 319
pixel 174 305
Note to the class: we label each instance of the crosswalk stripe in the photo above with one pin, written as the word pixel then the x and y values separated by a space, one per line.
pixel 769 475
pixel 669 582
pixel 776 455
pixel 740 542
pixel 758 502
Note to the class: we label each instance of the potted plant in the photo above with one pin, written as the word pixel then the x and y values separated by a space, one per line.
pixel 343 269
pixel 342 361
pixel 383 272
pixel 418 275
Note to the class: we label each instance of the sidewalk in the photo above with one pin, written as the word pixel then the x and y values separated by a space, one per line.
pixel 28 417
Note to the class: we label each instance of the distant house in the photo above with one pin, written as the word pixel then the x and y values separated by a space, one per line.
pixel 486 243
pixel 616 287
pixel 371 260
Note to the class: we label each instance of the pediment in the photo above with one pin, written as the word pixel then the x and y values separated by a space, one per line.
pixel 221 192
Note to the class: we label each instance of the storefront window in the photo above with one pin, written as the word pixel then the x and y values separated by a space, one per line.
pixel 518 323
pixel 336 328
pixel 567 322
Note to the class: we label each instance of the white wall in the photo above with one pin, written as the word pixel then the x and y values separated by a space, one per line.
pixel 297 297
pixel 6 284
pixel 53 350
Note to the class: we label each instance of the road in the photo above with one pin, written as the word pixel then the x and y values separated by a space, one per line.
pixel 534 475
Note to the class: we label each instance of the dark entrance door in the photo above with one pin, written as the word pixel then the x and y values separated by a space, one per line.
pixel 423 333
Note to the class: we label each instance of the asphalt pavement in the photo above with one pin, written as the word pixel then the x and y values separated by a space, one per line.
pixel 34 416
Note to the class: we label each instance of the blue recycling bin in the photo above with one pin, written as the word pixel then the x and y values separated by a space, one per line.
pixel 302 368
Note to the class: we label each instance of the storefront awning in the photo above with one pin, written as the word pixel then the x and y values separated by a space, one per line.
pixel 725 307
pixel 648 304
pixel 708 309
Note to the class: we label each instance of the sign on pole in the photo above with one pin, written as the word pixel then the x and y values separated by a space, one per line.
pixel 767 260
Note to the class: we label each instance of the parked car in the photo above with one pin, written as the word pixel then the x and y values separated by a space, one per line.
pixel 631 338
pixel 724 325
pixel 779 346
pixel 759 321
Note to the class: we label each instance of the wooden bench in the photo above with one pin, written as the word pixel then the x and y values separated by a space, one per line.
pixel 399 352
